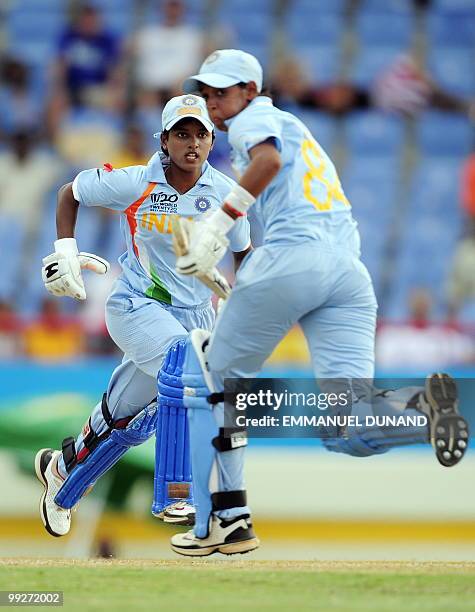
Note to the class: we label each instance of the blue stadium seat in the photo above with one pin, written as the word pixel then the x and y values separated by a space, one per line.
pixel 452 30
pixel 255 30
pixel 371 61
pixel 317 7
pixel 326 29
pixel 432 226
pixel 321 63
pixel 446 134
pixel 391 6
pixel 321 125
pixel 247 6
pixel 371 185
pixel 385 29
pixel 374 133
pixel 38 5
pixel 435 185
pixel 12 235
pixel 368 167
pixel 26 24
pixel 453 69
pixel 465 6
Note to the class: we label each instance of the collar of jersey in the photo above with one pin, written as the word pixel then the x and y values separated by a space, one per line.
pixel 156 174
pixel 259 101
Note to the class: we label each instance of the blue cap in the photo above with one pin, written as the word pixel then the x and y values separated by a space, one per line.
pixel 225 68
pixel 185 107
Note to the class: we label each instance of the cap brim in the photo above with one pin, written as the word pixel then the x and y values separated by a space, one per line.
pixel 207 124
pixel 212 79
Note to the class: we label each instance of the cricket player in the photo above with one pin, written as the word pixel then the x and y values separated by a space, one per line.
pixel 309 272
pixel 151 307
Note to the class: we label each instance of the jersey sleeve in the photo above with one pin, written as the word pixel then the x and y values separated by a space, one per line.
pixel 240 235
pixel 116 189
pixel 253 130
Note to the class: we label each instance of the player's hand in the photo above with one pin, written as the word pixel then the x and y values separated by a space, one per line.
pixel 207 246
pixel 61 271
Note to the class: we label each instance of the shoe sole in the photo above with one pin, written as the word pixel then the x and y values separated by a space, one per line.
pixel 40 475
pixel 233 548
pixel 186 521
pixel 449 432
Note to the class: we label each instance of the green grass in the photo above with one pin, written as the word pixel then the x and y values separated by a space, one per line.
pixel 248 585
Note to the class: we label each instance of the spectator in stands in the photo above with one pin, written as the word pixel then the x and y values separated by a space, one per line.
pixel 406 88
pixel 290 86
pixel 10 327
pixel 86 66
pixel 403 88
pixel 420 343
pixel 27 174
pixel 133 151
pixel 89 136
pixel 164 54
pixel 52 336
pixel 19 109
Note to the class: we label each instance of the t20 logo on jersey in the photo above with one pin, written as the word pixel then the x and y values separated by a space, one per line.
pixel 164 202
pixel 202 204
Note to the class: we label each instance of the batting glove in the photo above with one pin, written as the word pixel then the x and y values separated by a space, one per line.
pixel 207 244
pixel 61 271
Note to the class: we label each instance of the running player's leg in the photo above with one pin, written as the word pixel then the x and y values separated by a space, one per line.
pixel 253 321
pixel 341 341
pixel 109 431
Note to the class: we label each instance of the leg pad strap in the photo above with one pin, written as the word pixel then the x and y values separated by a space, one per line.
pixel 223 500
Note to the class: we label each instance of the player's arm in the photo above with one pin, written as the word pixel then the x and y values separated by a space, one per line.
pixel 239 256
pixel 61 270
pixel 66 212
pixel 265 165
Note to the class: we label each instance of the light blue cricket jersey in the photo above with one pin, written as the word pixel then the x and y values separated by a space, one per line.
pixel 147 201
pixel 305 200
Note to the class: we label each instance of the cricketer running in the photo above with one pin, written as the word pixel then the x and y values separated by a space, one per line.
pixel 307 272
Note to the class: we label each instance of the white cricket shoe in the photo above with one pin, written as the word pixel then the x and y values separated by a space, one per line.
pixel 179 513
pixel 225 536
pixel 56 520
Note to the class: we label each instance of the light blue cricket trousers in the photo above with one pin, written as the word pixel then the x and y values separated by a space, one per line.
pixel 144 329
pixel 326 290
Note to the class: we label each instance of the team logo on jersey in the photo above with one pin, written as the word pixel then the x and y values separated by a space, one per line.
pixel 164 202
pixel 202 204
pixel 190 101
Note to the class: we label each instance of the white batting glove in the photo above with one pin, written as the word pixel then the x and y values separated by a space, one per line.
pixel 207 244
pixel 61 271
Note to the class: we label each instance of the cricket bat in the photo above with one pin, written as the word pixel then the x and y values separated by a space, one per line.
pixel 214 279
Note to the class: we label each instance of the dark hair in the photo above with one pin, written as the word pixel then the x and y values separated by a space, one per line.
pixel 265 91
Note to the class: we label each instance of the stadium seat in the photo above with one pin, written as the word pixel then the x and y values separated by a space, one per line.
pixel 453 69
pixel 370 62
pixel 371 185
pixel 321 125
pixel 321 64
pixel 307 29
pixel 452 29
pixel 465 6
pixel 317 7
pixel 374 133
pixel 12 235
pixel 391 6
pixel 27 24
pixel 385 29
pixel 432 225
pixel 446 134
